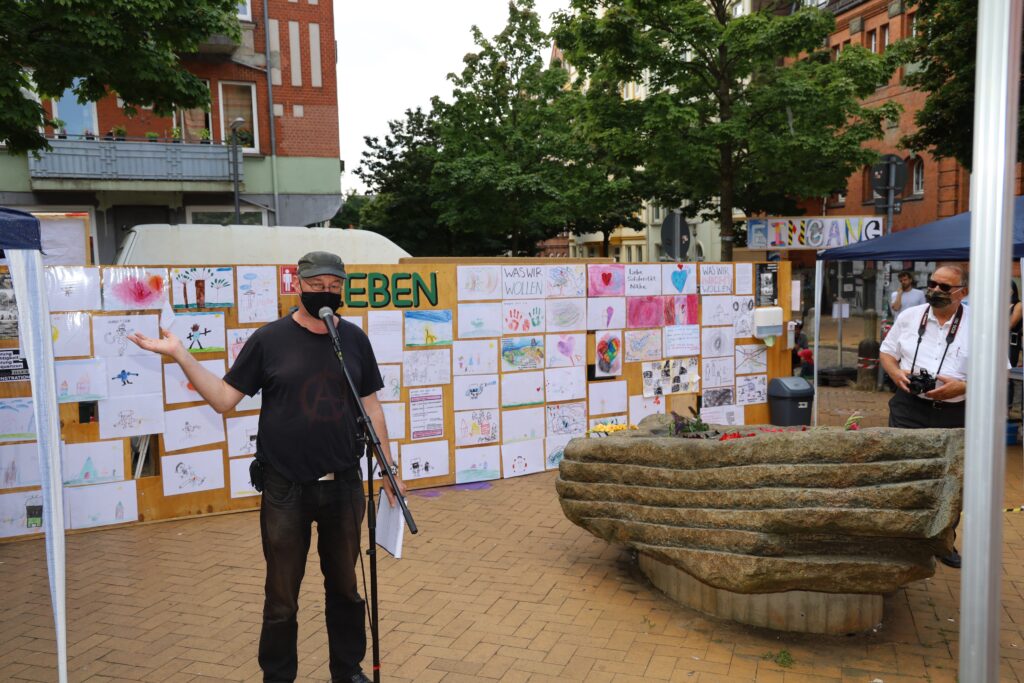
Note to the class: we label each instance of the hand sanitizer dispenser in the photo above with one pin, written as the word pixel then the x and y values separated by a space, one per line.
pixel 768 323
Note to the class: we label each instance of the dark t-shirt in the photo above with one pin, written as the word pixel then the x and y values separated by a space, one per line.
pixel 308 424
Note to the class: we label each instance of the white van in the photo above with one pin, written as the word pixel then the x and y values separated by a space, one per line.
pixel 181 245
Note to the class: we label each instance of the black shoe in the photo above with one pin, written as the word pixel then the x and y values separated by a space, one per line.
pixel 951 560
pixel 360 677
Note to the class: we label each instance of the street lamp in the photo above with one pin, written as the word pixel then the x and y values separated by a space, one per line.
pixel 234 126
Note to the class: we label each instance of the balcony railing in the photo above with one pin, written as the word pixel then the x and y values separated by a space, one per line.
pixel 134 159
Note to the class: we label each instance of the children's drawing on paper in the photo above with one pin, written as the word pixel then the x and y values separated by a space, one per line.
pixel 751 389
pixel 718 397
pixel 92 463
pixel 192 472
pixel 672 376
pixel 522 425
pixel 257 294
pixel 717 310
pixel 19 465
pixel 522 389
pixel 479 320
pixel 566 419
pixel 179 389
pixel 203 287
pixel 133 375
pixel 681 340
pixel 477 464
pixel 110 334
pixel 71 334
pixel 522 458
pixel 681 309
pixel 200 332
pixel 424 460
pixel 475 391
pixel 608 353
pixel 188 427
pixel 566 350
pixel 679 278
pixel 717 372
pixel 645 311
pixel 522 282
pixel 743 322
pixel 239 479
pixel 392 378
pixel 643 279
pixel 236 340
pixel 554 450
pixel 607 397
pixel 564 315
pixel 477 427
pixel 642 345
pixel 604 313
pixel 606 279
pixel 73 288
pixel 716 341
pixel 565 384
pixel 242 433
pixel 21 513
pixel 80 380
pixel 478 283
pixel 522 353
pixel 428 328
pixel 131 416
pixel 17 420
pixel 475 357
pixel 521 316
pixel 565 280
pixel 751 358
pixel 426 367
pixel 114 502
pixel 716 278
pixel 727 414
pixel 134 288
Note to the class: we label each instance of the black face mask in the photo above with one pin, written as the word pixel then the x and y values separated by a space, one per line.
pixel 314 301
pixel 937 298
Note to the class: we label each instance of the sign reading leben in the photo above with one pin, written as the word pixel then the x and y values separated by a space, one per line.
pixel 811 232
pixel 401 290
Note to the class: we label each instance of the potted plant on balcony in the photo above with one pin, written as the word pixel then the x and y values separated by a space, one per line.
pixel 151 136
pixel 176 134
pixel 119 132
pixel 88 135
pixel 204 136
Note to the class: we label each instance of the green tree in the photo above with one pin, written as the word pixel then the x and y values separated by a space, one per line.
pixel 942 53
pixel 132 47
pixel 727 124
pixel 349 215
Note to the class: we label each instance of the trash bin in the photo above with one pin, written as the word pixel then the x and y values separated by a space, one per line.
pixel 789 401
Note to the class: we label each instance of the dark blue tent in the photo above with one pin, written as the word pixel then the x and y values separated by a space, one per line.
pixel 18 230
pixel 947 239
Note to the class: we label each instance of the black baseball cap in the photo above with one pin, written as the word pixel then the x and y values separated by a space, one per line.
pixel 321 263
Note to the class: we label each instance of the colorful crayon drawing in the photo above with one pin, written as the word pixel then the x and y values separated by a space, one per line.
pixel 606 279
pixel 645 311
pixel 132 289
pixel 522 353
pixel 608 353
pixel 565 280
pixel 681 309
pixel 428 328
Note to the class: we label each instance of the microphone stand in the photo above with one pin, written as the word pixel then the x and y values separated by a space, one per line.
pixel 370 439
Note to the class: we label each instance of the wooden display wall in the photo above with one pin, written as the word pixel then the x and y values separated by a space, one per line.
pixel 417 285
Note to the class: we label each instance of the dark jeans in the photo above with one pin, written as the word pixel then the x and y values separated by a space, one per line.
pixel 287 513
pixel 910 412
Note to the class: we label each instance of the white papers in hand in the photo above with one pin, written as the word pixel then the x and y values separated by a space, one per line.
pixel 390 527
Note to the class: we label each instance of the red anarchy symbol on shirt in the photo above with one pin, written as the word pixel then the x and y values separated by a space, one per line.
pixel 318 402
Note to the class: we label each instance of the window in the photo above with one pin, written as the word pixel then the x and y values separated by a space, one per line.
pixel 873 41
pixel 835 52
pixel 657 213
pixel 238 100
pixel 912 25
pixel 245 10
pixel 193 122
pixel 639 252
pixel 79 119
pixel 917 176
pixel 629 254
pixel 883 38
pixel 224 215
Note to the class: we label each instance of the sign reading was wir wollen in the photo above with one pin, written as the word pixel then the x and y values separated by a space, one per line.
pixel 812 232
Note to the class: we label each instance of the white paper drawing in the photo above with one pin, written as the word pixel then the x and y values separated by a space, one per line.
pixel 134 288
pixel 392 378
pixel 426 413
pixel 200 332
pixel 723 396
pixel 477 427
pixel 565 280
pixel 565 384
pixel 428 328
pixel 17 420
pixel 717 372
pixel 717 341
pixel 522 353
pixel 72 333
pixel 257 294
pixel 520 316
pixel 526 457
pixel 242 433
pixel 522 282
pixel 179 389
pixel 81 380
pixel 681 340
pixel 192 472
pixel 429 366
pixel 566 419
pixel 751 358
pixel 189 427
pixel 672 376
pixel 643 279
pixel 131 416
pixel 475 391
pixel 73 288
pixel 110 334
pixel 641 345
pixel 717 310
pixel 554 450
pixel 92 462
pixel 722 415
pixel 478 282
pixel 477 464
pixel 565 350
pixel 679 278
pixel 566 315
pixel 716 278
pixel 522 425
pixel 236 341
pixel 19 465
pixel 642 406
pixel 743 324
pixel 384 328
pixel 751 389
pixel 86 507
pixel 394 418
pixel 238 474
pixel 21 513
pixel 134 375
pixel 522 389
pixel 744 278
pixel 607 397
pixel 203 287
pixel 607 312
pixel 477 321
pixel 424 460
pixel 475 357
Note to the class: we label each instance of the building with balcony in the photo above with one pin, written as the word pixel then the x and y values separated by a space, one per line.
pixel 278 79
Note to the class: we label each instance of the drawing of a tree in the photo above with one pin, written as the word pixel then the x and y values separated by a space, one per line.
pixel 217 284
pixel 184 276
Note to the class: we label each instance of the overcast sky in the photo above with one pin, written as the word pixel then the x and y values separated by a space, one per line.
pixel 394 55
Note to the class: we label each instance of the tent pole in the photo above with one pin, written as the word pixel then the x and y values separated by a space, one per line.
pixel 819 270
pixel 992 200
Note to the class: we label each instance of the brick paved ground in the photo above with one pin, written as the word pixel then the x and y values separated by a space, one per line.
pixel 497 586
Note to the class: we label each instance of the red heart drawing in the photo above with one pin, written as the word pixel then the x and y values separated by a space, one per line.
pixel 679 266
pixel 606 278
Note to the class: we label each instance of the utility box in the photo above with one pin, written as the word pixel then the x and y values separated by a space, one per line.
pixel 790 400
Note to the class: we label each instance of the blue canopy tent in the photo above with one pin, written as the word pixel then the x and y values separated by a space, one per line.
pixel 22 244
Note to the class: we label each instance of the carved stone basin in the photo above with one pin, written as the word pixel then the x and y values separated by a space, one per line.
pixel 831 518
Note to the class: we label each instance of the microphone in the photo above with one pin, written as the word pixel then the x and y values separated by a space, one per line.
pixel 327 315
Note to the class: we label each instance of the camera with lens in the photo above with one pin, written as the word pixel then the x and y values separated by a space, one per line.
pixel 920 382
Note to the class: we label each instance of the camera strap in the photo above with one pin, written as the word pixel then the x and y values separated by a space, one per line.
pixel 954 327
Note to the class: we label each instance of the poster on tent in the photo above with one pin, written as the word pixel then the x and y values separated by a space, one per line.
pixel 257 294
pixel 242 433
pixel 608 353
pixel 565 384
pixel 607 397
pixel 131 416
pixel 236 341
pixel 477 464
pixel 554 450
pixel 19 465
pixel 203 287
pixel 751 359
pixel 679 278
pixel 110 334
pixel 428 328
pixel 384 328
pixel 643 279
pixel 86 507
pixel 522 282
pixel 565 280
pixel 477 427
pixel 73 288
pixel 192 472
pixel 81 380
pixel 178 387
pixel 475 357
pixel 566 350
pixel 429 366
pixel 751 389
pixel 522 389
pixel 134 288
pixel 643 406
pixel 477 321
pixel 641 345
pixel 71 334
pixel 475 391
pixel 606 279
pixel 606 313
pixel 424 460
pixel 716 278
pixel 566 315
pixel 21 513
pixel 478 282
pixel 522 425
pixel 391 375
pixel 134 375
pixel 566 419
pixel 238 478
pixel 522 353
pixel 93 462
pixel 190 427
pixel 17 420
pixel 519 316
pixel 200 332
pixel 524 457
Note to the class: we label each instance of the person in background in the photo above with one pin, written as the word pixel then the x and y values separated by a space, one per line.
pixel 799 343
pixel 1016 335
pixel 906 296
